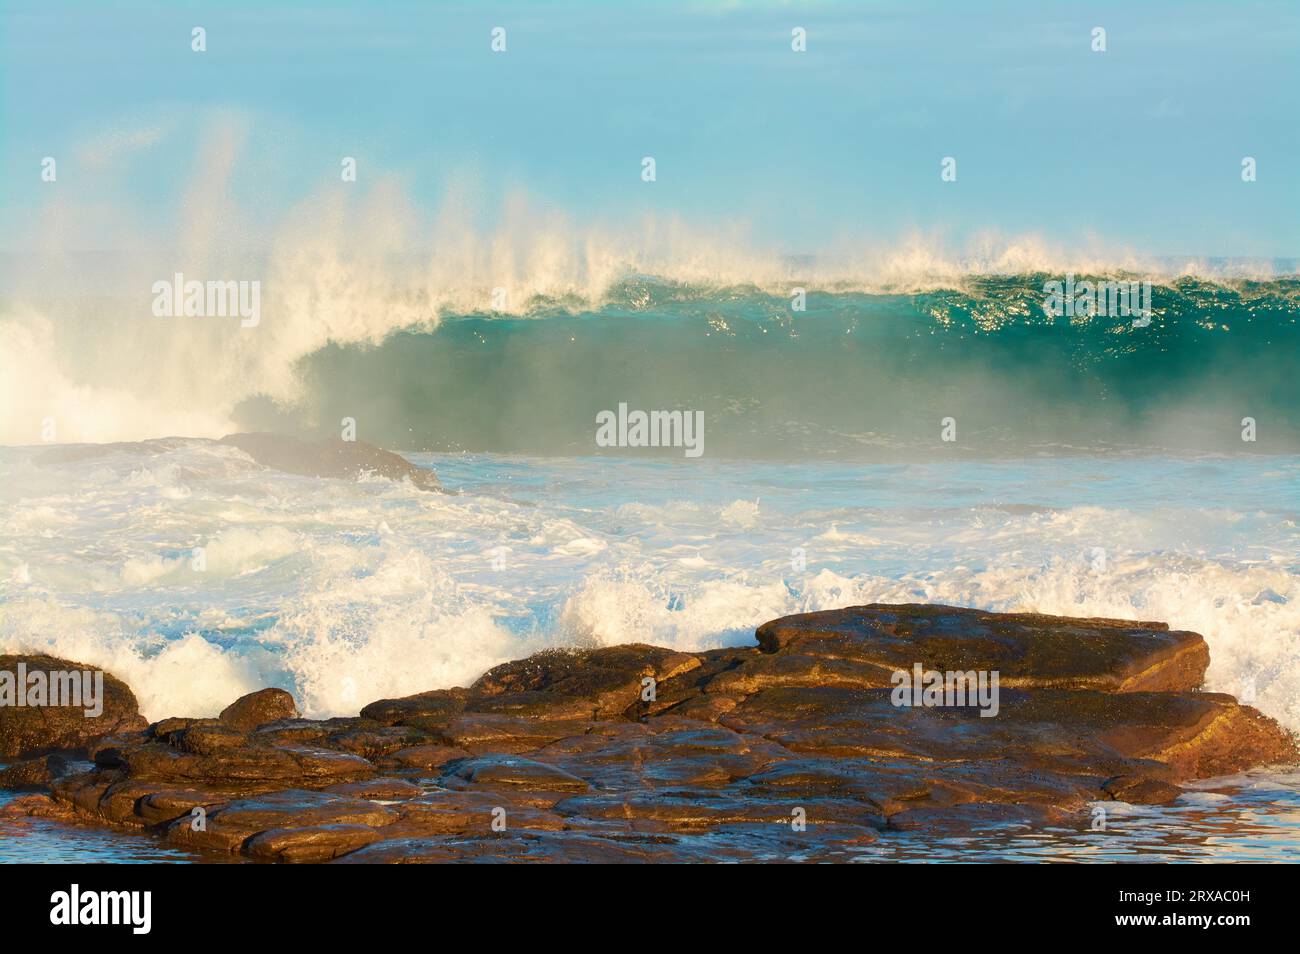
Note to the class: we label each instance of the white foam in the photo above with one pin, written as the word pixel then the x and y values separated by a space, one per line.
pixel 400 630
pixel 185 676
pixel 346 592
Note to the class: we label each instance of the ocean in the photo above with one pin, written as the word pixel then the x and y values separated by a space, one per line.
pixel 1095 469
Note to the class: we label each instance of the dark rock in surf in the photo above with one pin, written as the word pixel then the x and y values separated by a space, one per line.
pixel 330 458
pixel 325 458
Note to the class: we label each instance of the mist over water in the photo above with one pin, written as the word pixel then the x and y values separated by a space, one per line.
pixel 507 330
pixel 857 375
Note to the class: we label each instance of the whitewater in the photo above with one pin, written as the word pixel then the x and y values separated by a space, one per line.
pixel 343 592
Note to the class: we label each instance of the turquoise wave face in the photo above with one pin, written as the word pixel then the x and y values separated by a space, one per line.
pixel 853 375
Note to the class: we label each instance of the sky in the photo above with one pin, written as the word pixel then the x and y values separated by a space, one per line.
pixel 1139 146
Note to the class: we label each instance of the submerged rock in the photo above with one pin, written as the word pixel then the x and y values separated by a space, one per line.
pixel 799 747
pixel 330 458
pixel 324 458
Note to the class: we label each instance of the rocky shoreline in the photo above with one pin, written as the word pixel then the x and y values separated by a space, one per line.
pixel 795 748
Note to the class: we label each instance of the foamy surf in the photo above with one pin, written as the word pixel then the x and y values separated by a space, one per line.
pixel 344 591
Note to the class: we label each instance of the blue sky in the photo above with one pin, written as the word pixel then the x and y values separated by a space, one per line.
pixel 1141 144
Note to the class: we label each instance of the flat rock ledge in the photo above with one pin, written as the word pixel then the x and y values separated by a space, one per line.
pixel 793 749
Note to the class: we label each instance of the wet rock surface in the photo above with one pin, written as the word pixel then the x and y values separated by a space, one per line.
pixel 31 727
pixel 258 708
pixel 794 749
pixel 1027 649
